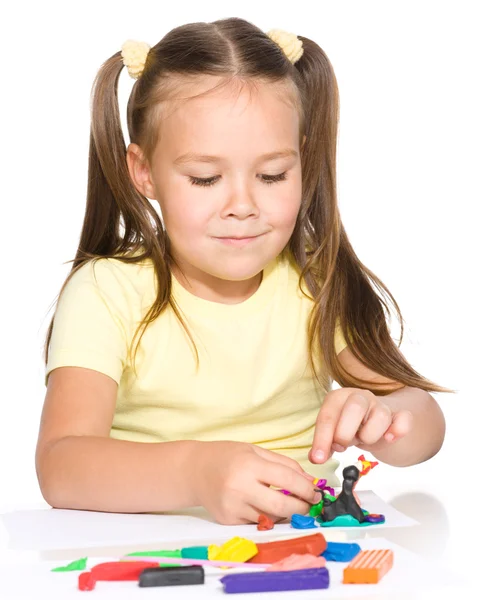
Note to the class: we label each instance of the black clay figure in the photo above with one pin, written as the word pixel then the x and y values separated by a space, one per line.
pixel 345 504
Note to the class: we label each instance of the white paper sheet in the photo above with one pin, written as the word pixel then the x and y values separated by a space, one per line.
pixel 55 529
pixel 411 577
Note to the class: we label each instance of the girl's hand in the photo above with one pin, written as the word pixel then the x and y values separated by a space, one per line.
pixel 356 417
pixel 232 481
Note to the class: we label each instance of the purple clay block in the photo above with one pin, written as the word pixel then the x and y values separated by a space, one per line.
pixel 276 581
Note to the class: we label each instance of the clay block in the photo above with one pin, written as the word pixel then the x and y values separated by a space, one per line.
pixel 166 576
pixel 270 552
pixel 112 571
pixel 273 581
pixel 237 549
pixel 200 552
pixel 369 566
pixel 298 562
pixel 341 551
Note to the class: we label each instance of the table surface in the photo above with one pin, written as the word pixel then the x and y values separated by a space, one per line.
pixel 446 532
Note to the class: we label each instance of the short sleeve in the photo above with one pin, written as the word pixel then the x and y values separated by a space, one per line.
pixel 339 340
pixel 93 320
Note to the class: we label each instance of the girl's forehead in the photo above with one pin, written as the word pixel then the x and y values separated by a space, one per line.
pixel 205 94
pixel 206 116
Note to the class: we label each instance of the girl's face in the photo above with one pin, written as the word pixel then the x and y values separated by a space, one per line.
pixel 227 175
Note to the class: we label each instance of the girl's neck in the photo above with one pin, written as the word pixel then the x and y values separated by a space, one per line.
pixel 218 290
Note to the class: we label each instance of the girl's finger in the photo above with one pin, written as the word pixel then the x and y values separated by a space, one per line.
pixel 401 425
pixel 250 514
pixel 325 429
pixel 378 422
pixel 313 460
pixel 352 415
pixel 269 515
pixel 281 459
pixel 283 477
pixel 277 504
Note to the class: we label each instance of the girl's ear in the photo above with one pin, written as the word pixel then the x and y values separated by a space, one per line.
pixel 302 143
pixel 140 171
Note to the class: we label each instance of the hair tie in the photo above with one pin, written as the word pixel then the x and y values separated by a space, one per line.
pixel 134 57
pixel 288 42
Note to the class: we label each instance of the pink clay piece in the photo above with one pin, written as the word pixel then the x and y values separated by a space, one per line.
pixel 296 562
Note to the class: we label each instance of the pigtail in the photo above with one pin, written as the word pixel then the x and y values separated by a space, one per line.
pixel 119 222
pixel 112 199
pixel 341 286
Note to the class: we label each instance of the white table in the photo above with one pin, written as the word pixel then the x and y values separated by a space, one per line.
pixel 444 531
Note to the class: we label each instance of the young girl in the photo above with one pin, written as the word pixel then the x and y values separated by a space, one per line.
pixel 190 358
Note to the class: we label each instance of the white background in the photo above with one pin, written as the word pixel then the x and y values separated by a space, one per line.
pixel 407 179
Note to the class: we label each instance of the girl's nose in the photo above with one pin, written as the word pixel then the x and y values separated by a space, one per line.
pixel 241 203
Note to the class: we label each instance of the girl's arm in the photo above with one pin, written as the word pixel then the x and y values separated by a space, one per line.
pixel 80 467
pixel 402 428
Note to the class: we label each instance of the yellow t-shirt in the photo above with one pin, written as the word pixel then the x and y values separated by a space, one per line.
pixel 253 383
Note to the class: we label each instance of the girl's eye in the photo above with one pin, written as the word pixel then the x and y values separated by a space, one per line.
pixel 267 179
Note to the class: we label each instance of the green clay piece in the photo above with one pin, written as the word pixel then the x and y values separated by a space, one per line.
pixel 159 553
pixel 316 509
pixel 199 552
pixel 76 565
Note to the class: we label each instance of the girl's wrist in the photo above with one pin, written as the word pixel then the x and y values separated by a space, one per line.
pixel 194 469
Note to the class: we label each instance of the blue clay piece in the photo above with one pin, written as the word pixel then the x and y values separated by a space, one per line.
pixel 302 522
pixel 341 552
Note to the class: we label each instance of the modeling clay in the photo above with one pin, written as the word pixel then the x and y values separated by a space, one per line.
pixel 366 465
pixel 198 561
pixel 341 551
pixel 76 565
pixel 213 551
pixel 316 509
pixel 195 552
pixel 168 553
pixel 271 552
pixel 369 566
pixel 265 523
pixel 298 562
pixel 345 503
pixel 349 521
pixel 341 521
pixel 163 576
pixel 112 571
pixel 302 522
pixel 306 579
pixel 237 549
pixel 374 518
pixel 321 484
pixel 159 553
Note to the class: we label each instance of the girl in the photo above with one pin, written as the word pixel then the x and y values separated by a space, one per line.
pixel 191 356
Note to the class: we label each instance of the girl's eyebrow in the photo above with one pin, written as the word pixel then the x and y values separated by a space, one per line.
pixel 208 158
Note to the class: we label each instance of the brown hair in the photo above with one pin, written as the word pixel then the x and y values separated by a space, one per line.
pixel 121 223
